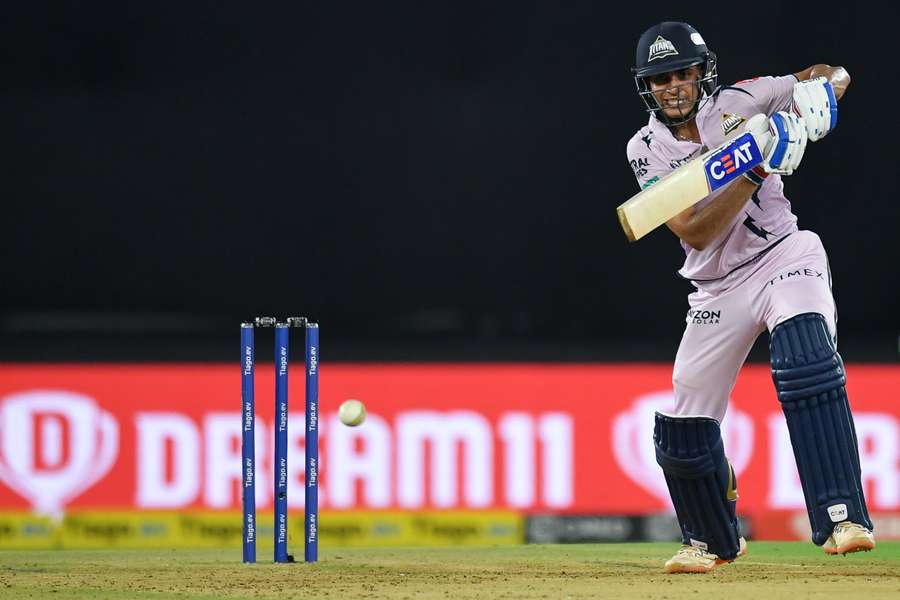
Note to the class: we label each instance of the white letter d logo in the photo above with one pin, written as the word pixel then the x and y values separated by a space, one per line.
pixel 54 445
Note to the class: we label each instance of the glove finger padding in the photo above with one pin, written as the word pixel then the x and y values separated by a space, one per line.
pixel 815 103
pixel 757 124
pixel 789 136
pixel 804 138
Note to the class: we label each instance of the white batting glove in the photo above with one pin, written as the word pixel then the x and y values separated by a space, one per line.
pixel 814 101
pixel 785 146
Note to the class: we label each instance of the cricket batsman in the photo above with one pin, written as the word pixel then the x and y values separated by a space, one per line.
pixel 752 270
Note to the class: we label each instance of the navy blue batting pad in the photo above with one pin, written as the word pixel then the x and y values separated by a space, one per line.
pixel 700 480
pixel 809 379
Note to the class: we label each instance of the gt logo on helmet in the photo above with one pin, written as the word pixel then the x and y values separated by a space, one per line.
pixel 661 48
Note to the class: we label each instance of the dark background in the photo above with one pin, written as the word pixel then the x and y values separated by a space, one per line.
pixel 432 180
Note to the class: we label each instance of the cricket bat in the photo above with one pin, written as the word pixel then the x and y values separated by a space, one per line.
pixel 690 183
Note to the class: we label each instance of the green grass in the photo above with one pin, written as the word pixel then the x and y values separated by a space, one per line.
pixel 770 571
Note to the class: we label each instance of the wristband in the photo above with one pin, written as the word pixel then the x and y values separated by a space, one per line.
pixel 757 175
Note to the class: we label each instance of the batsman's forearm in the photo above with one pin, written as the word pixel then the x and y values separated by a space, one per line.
pixel 837 76
pixel 699 227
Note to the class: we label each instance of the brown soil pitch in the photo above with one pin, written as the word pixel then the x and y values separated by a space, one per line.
pixel 770 571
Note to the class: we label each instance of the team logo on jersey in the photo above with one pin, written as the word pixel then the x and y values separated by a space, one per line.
pixel 661 48
pixel 731 160
pixel 730 122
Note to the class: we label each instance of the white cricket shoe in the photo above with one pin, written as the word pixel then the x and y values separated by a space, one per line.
pixel 689 559
pixel 849 537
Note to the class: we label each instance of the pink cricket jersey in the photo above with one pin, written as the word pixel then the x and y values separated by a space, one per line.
pixel 653 152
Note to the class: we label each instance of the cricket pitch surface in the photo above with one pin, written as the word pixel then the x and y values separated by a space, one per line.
pixel 770 571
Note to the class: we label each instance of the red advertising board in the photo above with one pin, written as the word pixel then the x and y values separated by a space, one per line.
pixel 534 437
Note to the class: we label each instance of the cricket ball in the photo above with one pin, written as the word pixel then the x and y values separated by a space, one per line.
pixel 352 413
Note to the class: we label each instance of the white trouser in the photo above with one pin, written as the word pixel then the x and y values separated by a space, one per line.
pixel 722 326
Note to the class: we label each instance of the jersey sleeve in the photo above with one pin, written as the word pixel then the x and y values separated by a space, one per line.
pixel 646 166
pixel 771 94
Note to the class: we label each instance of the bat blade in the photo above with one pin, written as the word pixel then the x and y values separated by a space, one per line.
pixel 688 184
